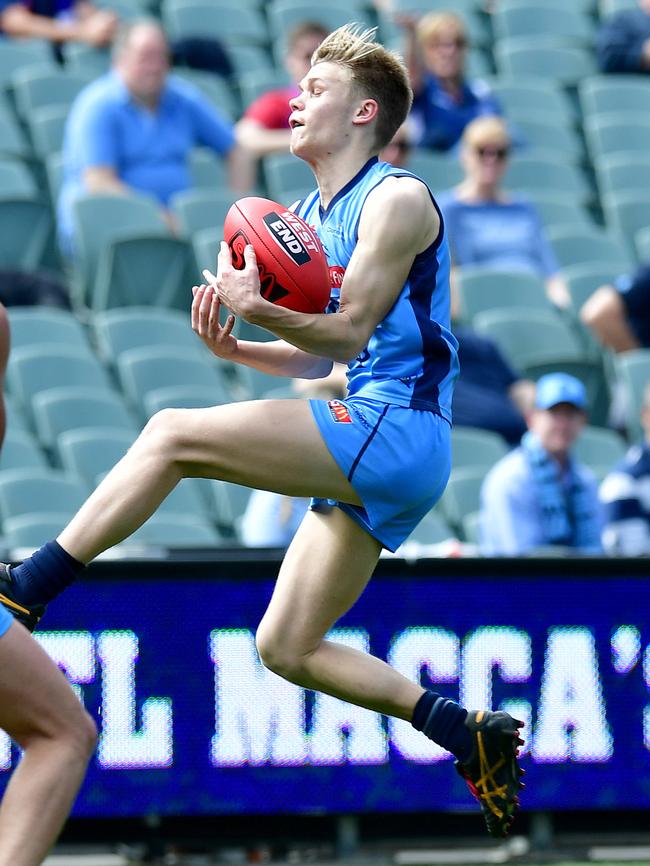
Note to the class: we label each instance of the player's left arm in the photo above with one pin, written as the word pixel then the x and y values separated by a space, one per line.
pixel 398 221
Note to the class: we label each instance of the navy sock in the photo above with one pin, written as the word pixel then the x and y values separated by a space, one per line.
pixel 443 721
pixel 45 574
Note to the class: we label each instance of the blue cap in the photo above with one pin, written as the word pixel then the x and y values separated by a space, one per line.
pixel 557 388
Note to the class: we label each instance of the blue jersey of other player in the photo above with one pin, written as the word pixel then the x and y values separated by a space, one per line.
pixel 411 359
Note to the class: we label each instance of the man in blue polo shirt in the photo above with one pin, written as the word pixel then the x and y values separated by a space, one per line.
pixel 538 495
pixel 133 129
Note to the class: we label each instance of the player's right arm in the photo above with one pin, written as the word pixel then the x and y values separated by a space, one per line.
pixel 278 358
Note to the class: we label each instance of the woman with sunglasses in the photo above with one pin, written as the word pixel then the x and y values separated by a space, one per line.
pixel 445 101
pixel 487 225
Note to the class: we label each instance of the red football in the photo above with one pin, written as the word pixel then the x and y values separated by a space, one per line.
pixel 293 269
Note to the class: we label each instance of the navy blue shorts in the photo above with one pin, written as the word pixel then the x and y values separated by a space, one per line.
pixel 396 459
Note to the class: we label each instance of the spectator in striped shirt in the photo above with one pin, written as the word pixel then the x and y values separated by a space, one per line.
pixel 625 494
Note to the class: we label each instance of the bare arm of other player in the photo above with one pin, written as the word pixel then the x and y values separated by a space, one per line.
pixel 398 221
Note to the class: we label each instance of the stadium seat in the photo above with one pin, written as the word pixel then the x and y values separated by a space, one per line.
pixel 598 446
pixel 101 219
pixel 623 172
pixel 143 269
pixel 440 171
pixel 20 450
pixel 219 20
pixel 77 407
pixel 34 369
pixel 54 173
pixel 216 90
pixel 252 84
pixel 475 23
pixel 46 128
pixel 198 209
pixel 148 368
pixel 607 94
pixel 574 246
pixel 432 529
pixel 611 7
pixel 27 231
pixel 559 209
pixel 552 20
pixel 177 531
pixel 633 372
pixel 230 501
pixel 186 499
pixel 462 496
pixel 16 421
pixel 34 529
pixel 12 140
pixel 283 15
pixel 484 289
pixel 547 172
pixel 180 397
pixel 16 180
pixel 82 59
pixel 34 490
pixel 36 88
pixel 627 213
pixel 207 170
pixel 249 58
pixel 90 452
pixel 116 331
pixel 526 56
pixel 613 133
pixel 205 245
pixel 20 53
pixel 283 172
pixel 519 94
pixel 642 245
pixel 529 337
pixel 34 326
pixel 473 447
pixel 583 280
pixel 547 133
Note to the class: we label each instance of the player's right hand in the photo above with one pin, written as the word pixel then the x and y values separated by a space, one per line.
pixel 205 322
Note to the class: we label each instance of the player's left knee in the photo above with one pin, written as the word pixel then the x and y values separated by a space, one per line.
pixel 163 432
pixel 278 656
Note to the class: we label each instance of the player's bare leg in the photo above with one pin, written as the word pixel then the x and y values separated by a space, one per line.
pixel 41 713
pixel 269 444
pixel 325 570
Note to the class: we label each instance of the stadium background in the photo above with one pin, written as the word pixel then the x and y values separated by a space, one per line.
pixel 80 385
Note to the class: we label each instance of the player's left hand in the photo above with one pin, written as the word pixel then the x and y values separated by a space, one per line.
pixel 239 290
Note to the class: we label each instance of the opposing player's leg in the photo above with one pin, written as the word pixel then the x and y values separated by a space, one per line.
pixel 39 710
pixel 326 568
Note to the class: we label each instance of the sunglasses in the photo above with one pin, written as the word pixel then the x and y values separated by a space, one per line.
pixel 498 153
pixel 459 43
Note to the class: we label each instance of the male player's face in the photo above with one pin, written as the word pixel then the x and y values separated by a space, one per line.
pixel 558 427
pixel 322 114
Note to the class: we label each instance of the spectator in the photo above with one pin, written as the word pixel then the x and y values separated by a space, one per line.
pixel 57 21
pixel 624 494
pixel 398 149
pixel 271 520
pixel 623 42
pixel 264 127
pixel 619 314
pixel 488 393
pixel 489 227
pixel 132 130
pixel 539 495
pixel 444 100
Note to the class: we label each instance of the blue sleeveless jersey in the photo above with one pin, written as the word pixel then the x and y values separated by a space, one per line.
pixel 411 359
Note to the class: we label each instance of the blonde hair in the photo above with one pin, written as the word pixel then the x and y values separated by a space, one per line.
pixel 433 24
pixel 490 125
pixel 376 72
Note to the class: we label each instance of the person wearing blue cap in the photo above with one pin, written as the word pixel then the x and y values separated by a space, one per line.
pixel 538 496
